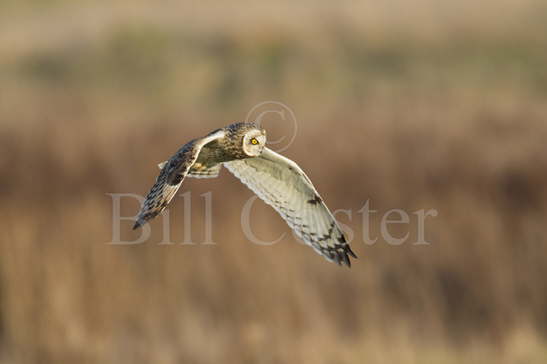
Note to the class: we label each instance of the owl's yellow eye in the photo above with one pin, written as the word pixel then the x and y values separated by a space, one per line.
pixel 254 141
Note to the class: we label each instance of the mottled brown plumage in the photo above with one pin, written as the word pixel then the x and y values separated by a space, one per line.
pixel 277 180
pixel 196 156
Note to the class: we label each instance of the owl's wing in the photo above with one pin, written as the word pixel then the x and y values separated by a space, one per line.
pixel 171 176
pixel 284 186
pixel 199 171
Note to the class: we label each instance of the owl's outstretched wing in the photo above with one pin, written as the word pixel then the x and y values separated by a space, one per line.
pixel 171 176
pixel 284 186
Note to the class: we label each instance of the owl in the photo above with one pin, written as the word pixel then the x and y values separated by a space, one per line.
pixel 278 181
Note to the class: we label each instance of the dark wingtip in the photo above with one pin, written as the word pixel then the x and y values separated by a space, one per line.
pixel 343 257
pixel 350 252
pixel 340 256
pixel 345 260
pixel 137 225
pixel 347 251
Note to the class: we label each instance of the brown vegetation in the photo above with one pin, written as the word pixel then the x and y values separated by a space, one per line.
pixel 435 106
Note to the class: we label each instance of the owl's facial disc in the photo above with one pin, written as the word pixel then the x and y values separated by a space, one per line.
pixel 254 142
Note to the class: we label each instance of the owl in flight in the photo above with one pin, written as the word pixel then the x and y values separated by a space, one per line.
pixel 241 147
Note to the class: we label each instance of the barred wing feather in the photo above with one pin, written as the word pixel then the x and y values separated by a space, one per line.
pixel 171 176
pixel 283 185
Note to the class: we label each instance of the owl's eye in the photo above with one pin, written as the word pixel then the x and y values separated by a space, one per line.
pixel 254 141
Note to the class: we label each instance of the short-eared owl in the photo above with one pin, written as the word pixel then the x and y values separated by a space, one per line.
pixel 241 147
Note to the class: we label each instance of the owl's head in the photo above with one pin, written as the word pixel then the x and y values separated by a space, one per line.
pixel 254 141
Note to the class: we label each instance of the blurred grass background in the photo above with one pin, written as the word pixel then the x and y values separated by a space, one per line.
pixel 425 104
